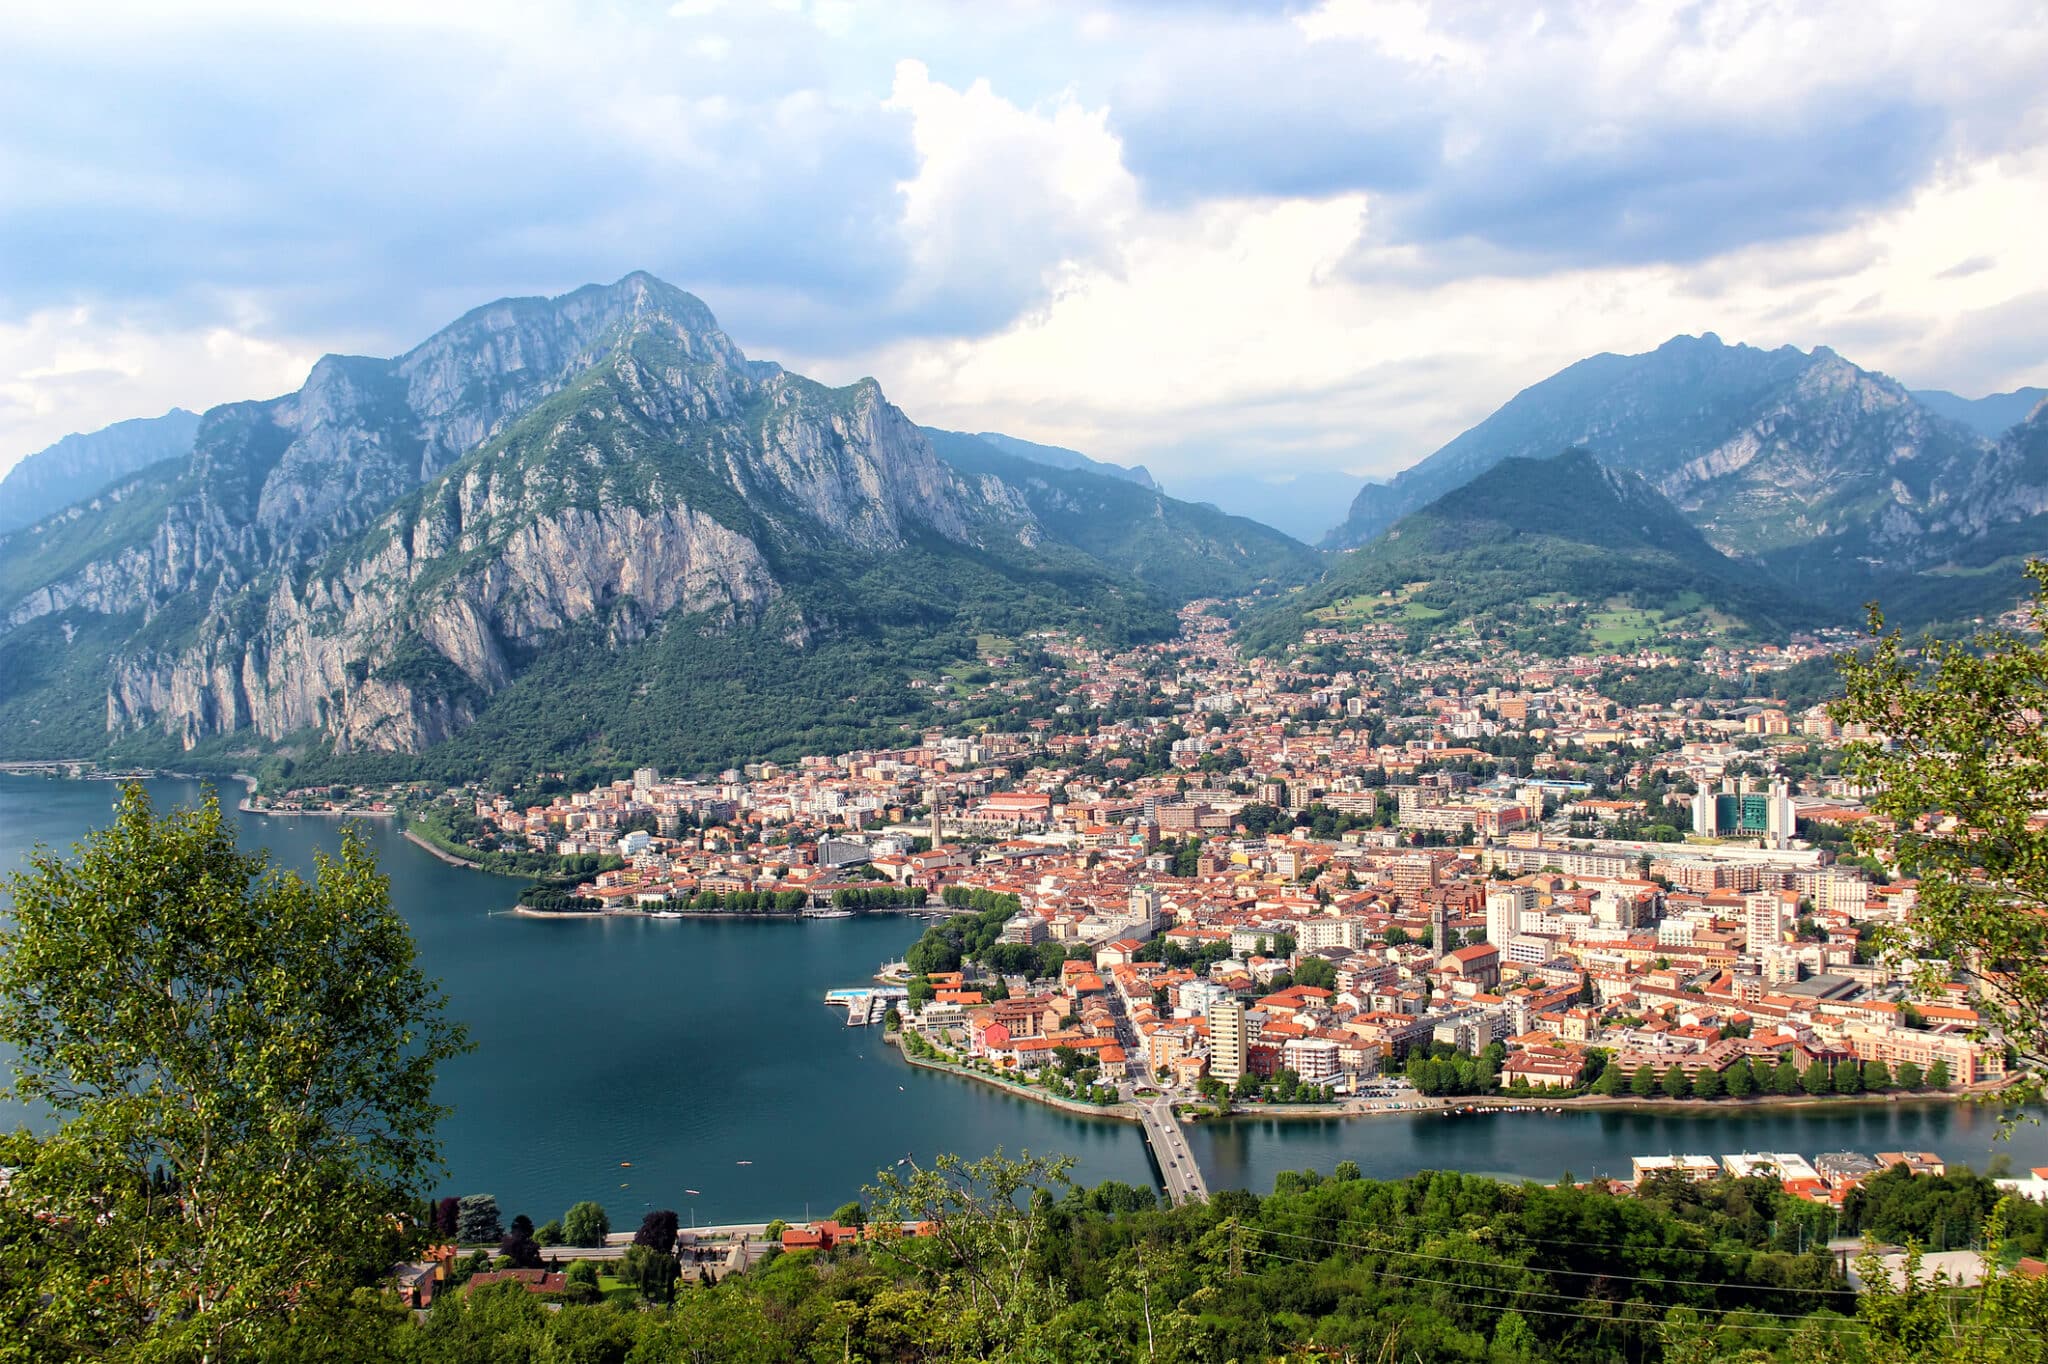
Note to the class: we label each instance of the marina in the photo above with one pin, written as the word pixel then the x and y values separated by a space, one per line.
pixel 866 1004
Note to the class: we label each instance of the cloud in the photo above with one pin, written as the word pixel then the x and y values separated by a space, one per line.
pixel 57 364
pixel 1963 269
pixel 1319 236
pixel 1504 138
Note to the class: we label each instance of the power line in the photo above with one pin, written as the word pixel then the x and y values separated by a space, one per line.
pixel 1845 1323
pixel 1838 1323
pixel 1576 1273
pixel 1570 1297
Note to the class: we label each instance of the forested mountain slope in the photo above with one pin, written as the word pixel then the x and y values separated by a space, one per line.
pixel 1558 555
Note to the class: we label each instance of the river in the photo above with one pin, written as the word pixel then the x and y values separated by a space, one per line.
pixel 629 1060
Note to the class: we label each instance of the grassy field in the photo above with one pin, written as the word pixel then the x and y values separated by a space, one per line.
pixel 1398 607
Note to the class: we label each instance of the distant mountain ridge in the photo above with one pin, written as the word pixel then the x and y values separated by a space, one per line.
pixel 1990 416
pixel 1197 549
pixel 1059 457
pixel 1836 477
pixel 578 529
pixel 1541 554
pixel 82 464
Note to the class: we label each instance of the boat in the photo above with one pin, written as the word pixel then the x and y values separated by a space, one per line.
pixel 828 914
pixel 744 1162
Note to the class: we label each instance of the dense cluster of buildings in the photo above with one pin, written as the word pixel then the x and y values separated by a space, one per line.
pixel 1340 867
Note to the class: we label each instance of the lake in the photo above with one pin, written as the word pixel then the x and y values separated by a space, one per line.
pixel 688 1046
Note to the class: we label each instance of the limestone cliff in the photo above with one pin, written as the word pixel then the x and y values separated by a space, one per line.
pixel 368 561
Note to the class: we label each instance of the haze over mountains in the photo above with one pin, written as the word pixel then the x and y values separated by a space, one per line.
pixel 78 465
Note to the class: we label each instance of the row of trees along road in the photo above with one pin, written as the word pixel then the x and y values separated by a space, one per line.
pixel 236 1070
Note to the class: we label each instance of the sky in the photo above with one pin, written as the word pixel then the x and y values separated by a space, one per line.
pixel 1212 238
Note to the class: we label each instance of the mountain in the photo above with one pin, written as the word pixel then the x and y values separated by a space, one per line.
pixel 1306 503
pixel 580 530
pixel 1990 416
pixel 1802 461
pixel 1554 555
pixel 79 465
pixel 1061 458
pixel 1187 548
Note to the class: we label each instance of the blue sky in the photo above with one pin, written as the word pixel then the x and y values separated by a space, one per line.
pixel 1198 236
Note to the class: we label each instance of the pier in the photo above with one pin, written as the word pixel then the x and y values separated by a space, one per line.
pixel 867 1004
pixel 1183 1178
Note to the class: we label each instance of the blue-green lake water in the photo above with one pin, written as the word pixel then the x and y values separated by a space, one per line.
pixel 688 1046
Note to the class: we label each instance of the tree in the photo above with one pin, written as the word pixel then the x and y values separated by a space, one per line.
pixel 988 1220
pixel 1317 972
pixel 171 1000
pixel 445 1215
pixel 1609 1081
pixel 1644 1082
pixel 1784 1077
pixel 850 1215
pixel 585 1224
pixel 1908 1076
pixel 1741 1079
pixel 549 1233
pixel 1963 737
pixel 477 1221
pixel 1708 1084
pixel 1675 1085
pixel 658 1231
pixel 1816 1080
pixel 581 1282
pixel 651 1271
pixel 1848 1078
pixel 521 1250
pixel 1937 1074
pixel 773 1231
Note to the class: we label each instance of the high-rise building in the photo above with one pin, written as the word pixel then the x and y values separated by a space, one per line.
pixel 1505 906
pixel 1440 928
pixel 1764 917
pixel 1229 1050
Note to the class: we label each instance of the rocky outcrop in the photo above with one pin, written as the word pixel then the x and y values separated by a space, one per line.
pixel 371 558
pixel 356 657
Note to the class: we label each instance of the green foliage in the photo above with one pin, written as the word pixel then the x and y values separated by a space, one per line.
pixel 585 1224
pixel 174 1003
pixel 477 1220
pixel 1508 550
pixel 653 1272
pixel 1965 742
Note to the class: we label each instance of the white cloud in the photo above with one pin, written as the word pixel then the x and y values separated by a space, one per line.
pixel 1228 333
pixel 65 370
pixel 1185 237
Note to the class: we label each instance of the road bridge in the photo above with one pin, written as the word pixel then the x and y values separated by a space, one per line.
pixel 1184 1182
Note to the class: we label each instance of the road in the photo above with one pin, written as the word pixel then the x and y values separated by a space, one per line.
pixel 1184 1183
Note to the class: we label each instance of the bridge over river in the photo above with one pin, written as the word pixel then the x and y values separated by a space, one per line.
pixel 1184 1183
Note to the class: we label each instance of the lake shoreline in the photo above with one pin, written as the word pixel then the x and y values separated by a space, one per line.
pixel 1116 1112
pixel 1561 1107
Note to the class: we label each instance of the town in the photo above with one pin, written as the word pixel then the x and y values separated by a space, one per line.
pixel 1404 881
